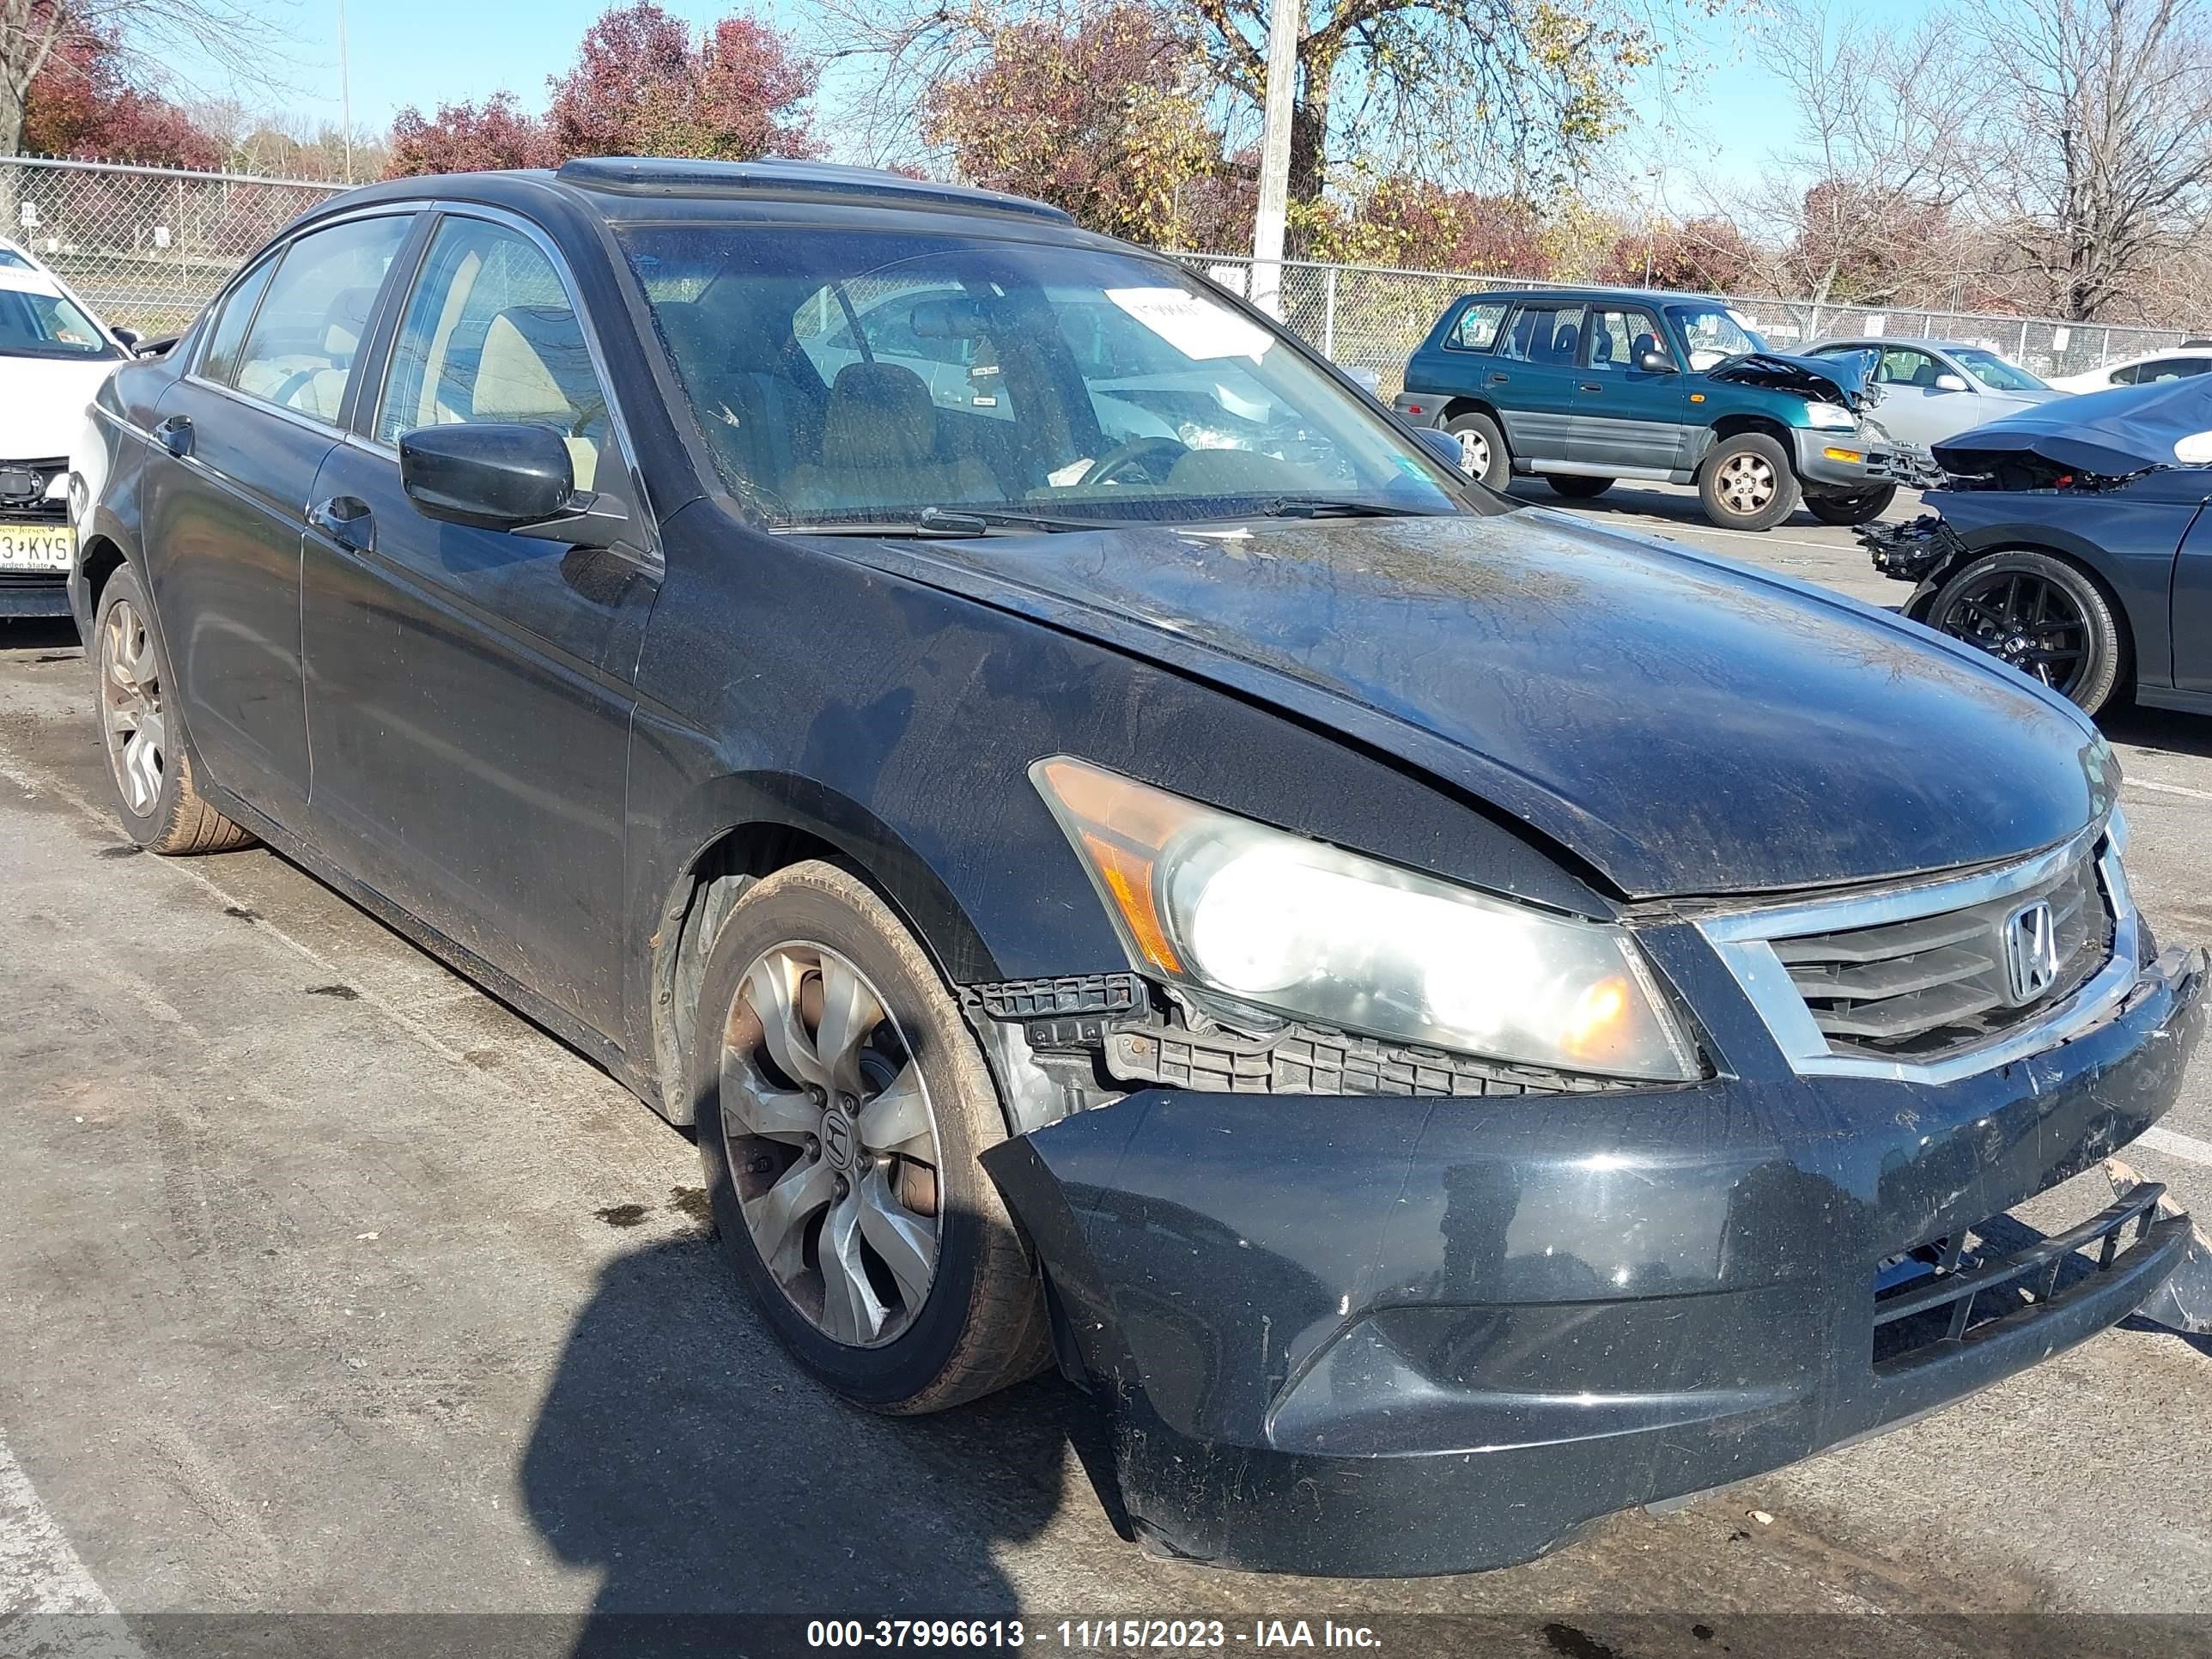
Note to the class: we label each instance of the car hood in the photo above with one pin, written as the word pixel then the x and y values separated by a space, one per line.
pixel 1841 379
pixel 1682 723
pixel 2097 434
pixel 42 403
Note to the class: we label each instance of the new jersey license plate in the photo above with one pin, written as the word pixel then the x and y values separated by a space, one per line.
pixel 37 546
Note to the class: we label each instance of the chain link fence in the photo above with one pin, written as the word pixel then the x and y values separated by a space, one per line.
pixel 1371 317
pixel 146 246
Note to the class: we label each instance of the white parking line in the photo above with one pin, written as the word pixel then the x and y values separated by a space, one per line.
pixel 2167 788
pixel 2174 1144
pixel 42 1577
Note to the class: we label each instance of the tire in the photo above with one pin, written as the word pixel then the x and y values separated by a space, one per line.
pixel 1483 455
pixel 1746 484
pixel 839 1177
pixel 2068 638
pixel 1861 507
pixel 147 765
pixel 1577 488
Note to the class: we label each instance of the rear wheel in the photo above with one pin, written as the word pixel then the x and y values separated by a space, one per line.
pixel 1860 507
pixel 842 1105
pixel 1482 452
pixel 1577 488
pixel 2042 615
pixel 146 761
pixel 1746 484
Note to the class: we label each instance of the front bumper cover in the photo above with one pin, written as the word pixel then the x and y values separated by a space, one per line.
pixel 1391 1336
pixel 1880 461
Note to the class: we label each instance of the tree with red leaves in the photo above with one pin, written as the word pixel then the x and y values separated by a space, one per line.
pixel 83 102
pixel 467 139
pixel 643 86
pixel 1706 255
pixel 1104 118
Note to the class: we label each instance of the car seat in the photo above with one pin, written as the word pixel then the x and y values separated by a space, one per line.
pixel 535 370
pixel 879 448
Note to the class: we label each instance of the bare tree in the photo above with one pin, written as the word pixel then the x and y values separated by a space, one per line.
pixel 1863 205
pixel 152 35
pixel 2097 164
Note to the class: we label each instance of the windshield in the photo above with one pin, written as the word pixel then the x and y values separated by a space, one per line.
pixel 1994 372
pixel 35 325
pixel 1712 333
pixel 864 377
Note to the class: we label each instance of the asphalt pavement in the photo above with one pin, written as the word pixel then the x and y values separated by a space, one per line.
pixel 331 1291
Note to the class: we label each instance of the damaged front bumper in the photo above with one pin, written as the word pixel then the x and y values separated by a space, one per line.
pixel 1389 1335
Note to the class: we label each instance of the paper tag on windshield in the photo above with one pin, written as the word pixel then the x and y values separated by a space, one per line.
pixel 1193 325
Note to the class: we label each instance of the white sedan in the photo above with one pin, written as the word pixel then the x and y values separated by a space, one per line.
pixel 2174 364
pixel 54 353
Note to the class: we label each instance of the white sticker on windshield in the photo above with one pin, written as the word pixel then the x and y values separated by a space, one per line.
pixel 1192 324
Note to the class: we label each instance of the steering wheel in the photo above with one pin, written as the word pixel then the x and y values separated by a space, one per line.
pixel 1131 453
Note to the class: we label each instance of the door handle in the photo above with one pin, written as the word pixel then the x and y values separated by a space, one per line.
pixel 175 435
pixel 1498 379
pixel 346 520
pixel 1592 386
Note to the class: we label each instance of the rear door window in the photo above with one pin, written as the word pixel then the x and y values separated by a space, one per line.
pixel 221 362
pixel 300 349
pixel 1546 333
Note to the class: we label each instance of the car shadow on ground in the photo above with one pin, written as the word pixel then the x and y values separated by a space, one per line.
pixel 2159 728
pixel 56 634
pixel 706 1477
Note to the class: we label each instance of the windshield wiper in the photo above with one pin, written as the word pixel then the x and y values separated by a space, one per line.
pixel 1331 506
pixel 939 521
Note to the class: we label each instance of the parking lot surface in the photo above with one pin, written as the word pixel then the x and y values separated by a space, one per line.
pixel 328 1286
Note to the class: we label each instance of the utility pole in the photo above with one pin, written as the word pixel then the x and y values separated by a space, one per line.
pixel 345 94
pixel 1285 21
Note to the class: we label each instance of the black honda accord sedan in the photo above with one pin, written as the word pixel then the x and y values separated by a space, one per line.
pixel 1448 1021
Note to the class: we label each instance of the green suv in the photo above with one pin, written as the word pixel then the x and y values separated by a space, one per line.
pixel 1590 386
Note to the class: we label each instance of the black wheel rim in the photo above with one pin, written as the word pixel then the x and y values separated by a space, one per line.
pixel 2033 623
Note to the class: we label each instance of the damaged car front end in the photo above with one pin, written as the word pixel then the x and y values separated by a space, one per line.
pixel 2068 541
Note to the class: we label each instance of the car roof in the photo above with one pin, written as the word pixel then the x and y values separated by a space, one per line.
pixel 1650 296
pixel 631 190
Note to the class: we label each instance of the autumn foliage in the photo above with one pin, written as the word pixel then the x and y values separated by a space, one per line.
pixel 82 103
pixel 643 84
pixel 1104 118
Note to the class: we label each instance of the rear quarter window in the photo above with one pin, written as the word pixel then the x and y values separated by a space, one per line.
pixel 1477 327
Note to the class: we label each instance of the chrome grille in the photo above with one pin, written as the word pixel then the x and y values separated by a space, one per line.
pixel 1914 981
pixel 1933 985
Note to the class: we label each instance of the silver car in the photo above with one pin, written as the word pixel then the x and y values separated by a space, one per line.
pixel 1933 389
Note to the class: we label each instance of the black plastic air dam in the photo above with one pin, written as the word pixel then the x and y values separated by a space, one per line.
pixel 1389 1336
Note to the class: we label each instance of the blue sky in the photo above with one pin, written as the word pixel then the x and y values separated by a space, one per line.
pixel 426 51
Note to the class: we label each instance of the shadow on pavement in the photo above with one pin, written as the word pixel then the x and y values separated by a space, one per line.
pixel 38 634
pixel 683 1456
pixel 2159 728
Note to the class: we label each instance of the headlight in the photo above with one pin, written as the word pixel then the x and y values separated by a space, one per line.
pixel 1829 414
pixel 1270 919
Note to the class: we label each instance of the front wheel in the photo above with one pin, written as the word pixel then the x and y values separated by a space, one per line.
pixel 1860 507
pixel 1577 488
pixel 2042 615
pixel 842 1105
pixel 1746 484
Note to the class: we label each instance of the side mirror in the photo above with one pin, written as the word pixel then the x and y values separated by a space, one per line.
pixel 516 477
pixel 1950 383
pixel 1654 362
pixel 127 338
pixel 1445 445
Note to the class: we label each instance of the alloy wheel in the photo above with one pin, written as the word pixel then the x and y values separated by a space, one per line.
pixel 1474 454
pixel 832 1143
pixel 1746 484
pixel 2019 617
pixel 131 707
